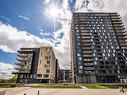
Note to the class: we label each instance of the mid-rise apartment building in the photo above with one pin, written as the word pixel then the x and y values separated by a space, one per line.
pixel 36 65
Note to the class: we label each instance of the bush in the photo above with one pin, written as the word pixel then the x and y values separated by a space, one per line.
pixel 114 85
pixel 13 85
pixel 105 86
pixel 8 85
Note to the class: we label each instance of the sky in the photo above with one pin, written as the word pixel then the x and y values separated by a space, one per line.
pixel 34 23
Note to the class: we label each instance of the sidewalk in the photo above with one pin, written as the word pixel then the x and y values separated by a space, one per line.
pixel 84 91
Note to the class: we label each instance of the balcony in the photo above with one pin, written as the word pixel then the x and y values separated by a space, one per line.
pixel 83 19
pixel 87 72
pixel 21 59
pixel 119 28
pixel 121 34
pixel 89 68
pixel 84 45
pixel 87 48
pixel 84 22
pixel 91 59
pixel 22 55
pixel 85 41
pixel 117 22
pixel 87 52
pixel 124 47
pixel 123 41
pixel 25 51
pixel 88 64
pixel 118 25
pixel 85 37
pixel 116 19
pixel 122 38
pixel 120 31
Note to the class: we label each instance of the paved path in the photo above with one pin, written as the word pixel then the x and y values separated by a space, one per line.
pixel 14 91
pixel 83 87
pixel 34 91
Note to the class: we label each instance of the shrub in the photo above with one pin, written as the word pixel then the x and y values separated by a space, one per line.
pixel 8 85
pixel 105 86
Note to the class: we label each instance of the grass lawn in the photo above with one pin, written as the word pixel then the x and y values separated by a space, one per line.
pixel 8 85
pixel 57 86
pixel 105 86
pixel 95 86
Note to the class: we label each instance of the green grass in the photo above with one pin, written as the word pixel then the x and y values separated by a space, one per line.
pixel 105 86
pixel 8 85
pixel 95 86
pixel 57 86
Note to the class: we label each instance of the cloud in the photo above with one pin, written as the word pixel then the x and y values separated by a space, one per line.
pixel 63 43
pixel 11 39
pixel 24 17
pixel 6 70
pixel 65 15
pixel 47 1
pixel 7 19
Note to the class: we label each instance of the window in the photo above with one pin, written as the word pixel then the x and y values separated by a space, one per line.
pixel 103 54
pixel 39 75
pixel 79 58
pixel 79 62
pixel 48 62
pixel 78 37
pixel 46 75
pixel 80 67
pixel 78 54
pixel 80 71
pixel 94 54
pixel 47 66
pixel 46 57
pixel 47 71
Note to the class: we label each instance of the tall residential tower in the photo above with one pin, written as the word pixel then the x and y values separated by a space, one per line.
pixel 98 48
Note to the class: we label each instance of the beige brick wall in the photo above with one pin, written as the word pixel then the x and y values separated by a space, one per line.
pixel 46 52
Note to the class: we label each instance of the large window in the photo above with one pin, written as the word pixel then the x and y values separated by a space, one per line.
pixel 46 75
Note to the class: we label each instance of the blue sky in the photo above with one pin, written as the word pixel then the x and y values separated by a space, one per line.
pixel 29 23
pixel 26 15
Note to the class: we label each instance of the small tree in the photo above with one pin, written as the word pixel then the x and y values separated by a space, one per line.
pixel 13 79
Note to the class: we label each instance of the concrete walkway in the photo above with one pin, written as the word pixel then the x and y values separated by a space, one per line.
pixel 14 91
pixel 83 87
pixel 34 91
